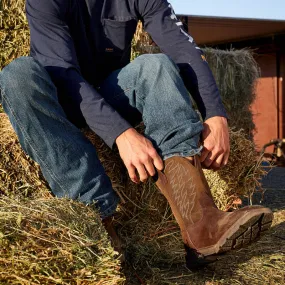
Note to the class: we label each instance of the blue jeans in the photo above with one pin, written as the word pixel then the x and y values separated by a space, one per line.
pixel 149 89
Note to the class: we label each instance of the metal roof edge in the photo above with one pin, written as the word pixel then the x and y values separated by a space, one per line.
pixel 232 18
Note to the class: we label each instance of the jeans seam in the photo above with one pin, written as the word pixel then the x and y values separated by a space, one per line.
pixel 53 176
pixel 1 90
pixel 193 152
pixel 167 134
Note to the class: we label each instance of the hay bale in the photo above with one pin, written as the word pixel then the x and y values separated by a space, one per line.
pixel 14 31
pixel 54 241
pixel 236 73
pixel 241 177
pixel 142 43
pixel 19 175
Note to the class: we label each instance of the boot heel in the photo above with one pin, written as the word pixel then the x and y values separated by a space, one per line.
pixel 195 260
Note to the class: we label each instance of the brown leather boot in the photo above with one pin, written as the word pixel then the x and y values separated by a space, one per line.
pixel 204 228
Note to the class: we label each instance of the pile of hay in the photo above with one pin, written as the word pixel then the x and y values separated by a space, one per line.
pixel 241 177
pixel 54 241
pixel 14 32
pixel 142 43
pixel 236 73
pixel 19 175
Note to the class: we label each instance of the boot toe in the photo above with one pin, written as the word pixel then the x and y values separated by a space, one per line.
pixel 252 223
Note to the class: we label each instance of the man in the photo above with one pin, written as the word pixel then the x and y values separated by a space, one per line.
pixel 79 72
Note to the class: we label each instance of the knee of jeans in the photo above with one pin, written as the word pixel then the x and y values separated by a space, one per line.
pixel 158 62
pixel 18 77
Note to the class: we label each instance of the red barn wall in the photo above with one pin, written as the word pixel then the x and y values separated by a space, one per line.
pixel 265 107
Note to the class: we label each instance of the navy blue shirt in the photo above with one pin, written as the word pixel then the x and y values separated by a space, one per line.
pixel 80 42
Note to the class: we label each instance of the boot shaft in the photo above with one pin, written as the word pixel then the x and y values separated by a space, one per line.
pixel 203 226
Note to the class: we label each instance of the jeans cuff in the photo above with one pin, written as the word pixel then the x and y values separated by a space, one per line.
pixel 104 213
pixel 187 153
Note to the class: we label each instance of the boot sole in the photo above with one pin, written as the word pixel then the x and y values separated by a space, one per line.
pixel 246 230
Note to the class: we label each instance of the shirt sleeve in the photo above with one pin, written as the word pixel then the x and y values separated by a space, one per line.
pixel 167 31
pixel 53 47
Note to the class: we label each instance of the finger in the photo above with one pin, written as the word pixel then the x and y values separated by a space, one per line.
pixel 157 161
pixel 205 152
pixel 226 159
pixel 150 168
pixel 217 163
pixel 132 173
pixel 142 172
pixel 228 156
pixel 208 160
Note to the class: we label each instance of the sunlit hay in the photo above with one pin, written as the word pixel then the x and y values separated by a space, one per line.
pixel 142 43
pixel 241 177
pixel 54 241
pixel 236 73
pixel 14 31
pixel 19 175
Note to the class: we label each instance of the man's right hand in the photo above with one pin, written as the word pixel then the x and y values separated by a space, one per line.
pixel 138 154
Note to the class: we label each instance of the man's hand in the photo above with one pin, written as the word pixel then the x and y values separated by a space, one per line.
pixel 138 154
pixel 215 137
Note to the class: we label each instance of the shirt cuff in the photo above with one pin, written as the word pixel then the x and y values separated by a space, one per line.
pixel 219 112
pixel 116 131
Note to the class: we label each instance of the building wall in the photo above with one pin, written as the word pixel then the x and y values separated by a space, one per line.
pixel 269 106
pixel 265 107
pixel 281 89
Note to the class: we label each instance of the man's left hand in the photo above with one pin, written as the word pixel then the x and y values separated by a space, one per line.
pixel 215 137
